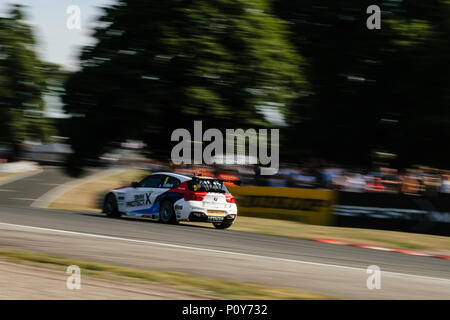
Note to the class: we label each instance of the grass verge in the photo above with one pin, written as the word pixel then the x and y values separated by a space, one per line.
pixel 87 196
pixel 215 288
pixel 4 176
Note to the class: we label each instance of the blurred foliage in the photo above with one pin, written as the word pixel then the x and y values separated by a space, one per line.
pixel 372 90
pixel 345 91
pixel 411 33
pixel 24 78
pixel 160 65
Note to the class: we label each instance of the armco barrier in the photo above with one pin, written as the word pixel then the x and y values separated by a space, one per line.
pixel 19 166
pixel 312 206
pixel 347 209
pixel 399 212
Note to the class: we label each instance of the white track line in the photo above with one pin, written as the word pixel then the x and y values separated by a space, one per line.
pixel 213 250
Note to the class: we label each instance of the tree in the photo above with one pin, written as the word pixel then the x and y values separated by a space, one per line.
pixel 22 83
pixel 160 65
pixel 371 90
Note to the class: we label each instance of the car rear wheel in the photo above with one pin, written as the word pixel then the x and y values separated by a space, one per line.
pixel 223 224
pixel 110 207
pixel 166 213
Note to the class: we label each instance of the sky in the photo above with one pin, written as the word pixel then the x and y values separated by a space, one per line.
pixel 57 43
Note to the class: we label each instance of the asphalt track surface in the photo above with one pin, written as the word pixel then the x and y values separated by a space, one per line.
pixel 339 271
pixel 24 191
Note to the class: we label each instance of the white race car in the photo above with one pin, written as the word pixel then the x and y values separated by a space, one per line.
pixel 170 198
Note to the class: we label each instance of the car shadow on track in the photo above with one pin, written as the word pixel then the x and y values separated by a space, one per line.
pixel 142 220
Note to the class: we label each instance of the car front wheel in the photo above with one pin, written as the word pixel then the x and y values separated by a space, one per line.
pixel 110 207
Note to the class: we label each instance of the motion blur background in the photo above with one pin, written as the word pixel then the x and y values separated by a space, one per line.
pixel 358 110
pixel 363 116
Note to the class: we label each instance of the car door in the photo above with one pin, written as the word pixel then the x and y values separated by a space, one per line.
pixel 142 198
pixel 157 193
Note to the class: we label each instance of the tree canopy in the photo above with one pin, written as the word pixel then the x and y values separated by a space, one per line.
pixel 160 65
pixel 24 79
pixel 347 93
pixel 372 90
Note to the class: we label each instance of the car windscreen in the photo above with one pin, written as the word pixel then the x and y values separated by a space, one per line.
pixel 207 185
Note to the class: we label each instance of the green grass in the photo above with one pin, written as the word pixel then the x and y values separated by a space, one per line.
pixel 214 288
pixel 86 197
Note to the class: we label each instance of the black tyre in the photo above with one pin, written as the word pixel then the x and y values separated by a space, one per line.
pixel 222 225
pixel 110 206
pixel 166 213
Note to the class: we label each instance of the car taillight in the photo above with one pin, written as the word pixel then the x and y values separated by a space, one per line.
pixel 229 197
pixel 194 196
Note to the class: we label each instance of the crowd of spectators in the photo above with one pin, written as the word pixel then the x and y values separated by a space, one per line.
pixel 417 181
pixel 414 181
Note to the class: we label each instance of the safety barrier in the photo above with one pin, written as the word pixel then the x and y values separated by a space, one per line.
pixel 19 166
pixel 401 212
pixel 312 206
pixel 350 209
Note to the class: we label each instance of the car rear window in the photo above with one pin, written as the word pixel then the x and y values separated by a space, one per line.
pixel 207 185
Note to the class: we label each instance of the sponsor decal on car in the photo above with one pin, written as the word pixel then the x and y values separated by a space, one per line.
pixel 140 200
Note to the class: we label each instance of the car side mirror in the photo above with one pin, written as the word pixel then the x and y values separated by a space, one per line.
pixel 134 184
